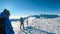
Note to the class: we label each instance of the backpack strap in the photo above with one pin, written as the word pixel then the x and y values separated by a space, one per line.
pixel 2 20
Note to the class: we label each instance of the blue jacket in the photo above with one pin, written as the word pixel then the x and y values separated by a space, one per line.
pixel 21 20
pixel 8 26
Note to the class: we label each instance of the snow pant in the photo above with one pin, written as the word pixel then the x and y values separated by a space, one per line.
pixel 22 24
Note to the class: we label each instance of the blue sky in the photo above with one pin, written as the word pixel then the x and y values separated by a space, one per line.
pixel 30 7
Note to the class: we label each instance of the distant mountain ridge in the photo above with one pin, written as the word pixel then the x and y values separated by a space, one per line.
pixel 46 16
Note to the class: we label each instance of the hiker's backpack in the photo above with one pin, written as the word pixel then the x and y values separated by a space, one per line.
pixel 2 25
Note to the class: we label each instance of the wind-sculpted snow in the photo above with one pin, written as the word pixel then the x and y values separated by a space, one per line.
pixel 39 26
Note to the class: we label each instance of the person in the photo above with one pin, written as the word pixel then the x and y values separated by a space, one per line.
pixel 27 22
pixel 22 22
pixel 8 27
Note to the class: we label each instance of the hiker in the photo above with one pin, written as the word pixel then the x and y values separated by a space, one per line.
pixel 8 27
pixel 27 22
pixel 22 22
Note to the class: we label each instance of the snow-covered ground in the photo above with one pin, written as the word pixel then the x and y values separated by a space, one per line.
pixel 38 26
